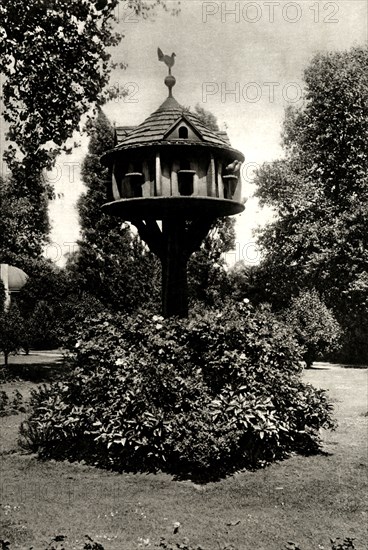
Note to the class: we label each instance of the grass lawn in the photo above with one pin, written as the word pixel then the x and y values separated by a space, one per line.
pixel 303 499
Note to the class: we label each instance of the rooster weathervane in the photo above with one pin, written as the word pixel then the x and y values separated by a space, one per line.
pixel 169 60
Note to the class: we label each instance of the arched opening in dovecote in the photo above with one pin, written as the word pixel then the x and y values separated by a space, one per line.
pixel 185 178
pixel 230 183
pixel 135 183
pixel 133 179
pixel 183 132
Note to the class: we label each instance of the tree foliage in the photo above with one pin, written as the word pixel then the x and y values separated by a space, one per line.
pixel 55 58
pixel 56 61
pixel 43 302
pixel 315 326
pixel 243 282
pixel 111 263
pixel 320 195
pixel 206 117
pixel 11 331
pixel 207 276
pixel 23 223
pixel 2 296
pixel 46 282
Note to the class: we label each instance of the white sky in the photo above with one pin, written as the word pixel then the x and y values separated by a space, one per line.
pixel 259 51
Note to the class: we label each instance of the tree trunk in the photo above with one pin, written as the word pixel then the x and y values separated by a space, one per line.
pixel 174 245
pixel 174 269
pixel 309 359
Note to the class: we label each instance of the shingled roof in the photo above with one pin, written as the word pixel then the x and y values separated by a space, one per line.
pixel 121 133
pixel 157 125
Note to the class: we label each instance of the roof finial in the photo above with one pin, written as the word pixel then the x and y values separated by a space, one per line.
pixel 170 80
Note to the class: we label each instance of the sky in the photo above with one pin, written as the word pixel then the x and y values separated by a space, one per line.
pixel 242 60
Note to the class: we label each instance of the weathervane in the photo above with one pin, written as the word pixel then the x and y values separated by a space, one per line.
pixel 169 60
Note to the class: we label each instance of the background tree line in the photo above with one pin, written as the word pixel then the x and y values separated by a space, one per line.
pixel 319 192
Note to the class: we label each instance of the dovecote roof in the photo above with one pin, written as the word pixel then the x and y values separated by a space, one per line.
pixel 121 132
pixel 156 130
pixel 157 125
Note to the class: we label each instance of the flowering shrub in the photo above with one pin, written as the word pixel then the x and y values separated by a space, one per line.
pixel 202 396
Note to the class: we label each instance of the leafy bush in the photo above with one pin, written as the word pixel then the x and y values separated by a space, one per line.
pixel 202 396
pixel 315 326
pixel 346 544
pixel 76 309
pixel 11 331
pixel 41 302
pixel 43 333
pixel 58 543
pixel 11 405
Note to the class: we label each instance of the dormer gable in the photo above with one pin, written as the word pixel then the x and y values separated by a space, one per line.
pixel 182 129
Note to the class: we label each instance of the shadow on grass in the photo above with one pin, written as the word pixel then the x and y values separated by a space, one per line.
pixel 353 366
pixel 327 365
pixel 84 453
pixel 316 368
pixel 202 478
pixel 37 371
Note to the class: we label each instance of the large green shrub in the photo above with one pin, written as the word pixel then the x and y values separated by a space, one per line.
pixel 314 325
pixel 202 396
pixel 11 331
pixel 43 328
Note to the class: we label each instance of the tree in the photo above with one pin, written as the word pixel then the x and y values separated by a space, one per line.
pixel 56 62
pixel 111 264
pixel 46 282
pixel 2 296
pixel 23 227
pixel 43 327
pixel 315 326
pixel 64 42
pixel 243 282
pixel 207 277
pixel 11 331
pixel 320 195
pixel 207 118
pixel 43 302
